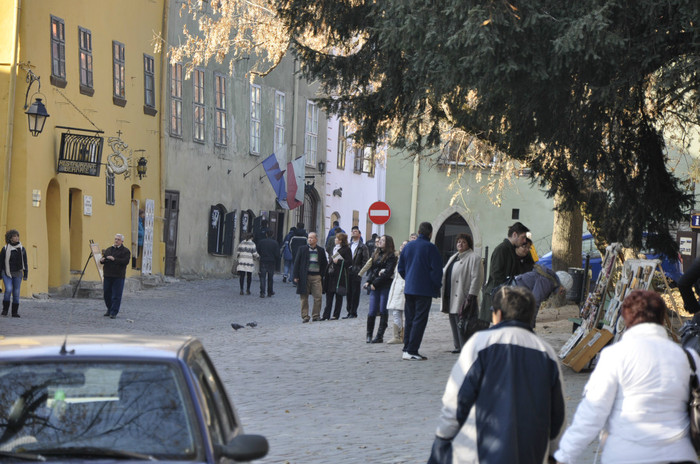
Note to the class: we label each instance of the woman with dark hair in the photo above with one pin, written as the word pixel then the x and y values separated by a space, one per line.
pixel 462 279
pixel 637 395
pixel 246 255
pixel 13 259
pixel 379 279
pixel 337 276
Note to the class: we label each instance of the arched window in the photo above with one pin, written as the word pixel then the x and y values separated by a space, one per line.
pixel 217 215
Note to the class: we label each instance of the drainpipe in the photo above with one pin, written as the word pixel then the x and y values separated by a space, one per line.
pixel 414 194
pixel 10 117
pixel 164 129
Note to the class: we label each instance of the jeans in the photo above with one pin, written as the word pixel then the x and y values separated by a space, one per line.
pixel 12 285
pixel 416 311
pixel 378 300
pixel 267 270
pixel 288 263
pixel 112 289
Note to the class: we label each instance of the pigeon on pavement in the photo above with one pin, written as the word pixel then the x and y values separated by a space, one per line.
pixel 236 326
pixel 252 324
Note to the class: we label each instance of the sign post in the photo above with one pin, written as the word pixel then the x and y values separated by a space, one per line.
pixel 379 213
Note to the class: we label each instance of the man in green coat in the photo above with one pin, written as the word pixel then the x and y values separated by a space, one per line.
pixel 504 264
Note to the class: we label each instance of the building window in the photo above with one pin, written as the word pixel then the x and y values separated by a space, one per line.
pixel 311 138
pixel 58 51
pixel 118 73
pixel 149 83
pixel 255 113
pixel 515 214
pixel 220 97
pixel 198 117
pixel 176 99
pixel 342 146
pixel 109 181
pixel 357 164
pixel 279 120
pixel 368 161
pixel 85 44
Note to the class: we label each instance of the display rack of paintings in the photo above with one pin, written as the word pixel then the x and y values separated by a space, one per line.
pixel 589 338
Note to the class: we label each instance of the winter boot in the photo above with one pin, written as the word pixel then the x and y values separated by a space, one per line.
pixel 397 336
pixel 370 328
pixel 383 321
pixel 15 308
pixel 5 307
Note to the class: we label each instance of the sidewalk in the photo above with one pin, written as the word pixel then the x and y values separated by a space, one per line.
pixel 317 391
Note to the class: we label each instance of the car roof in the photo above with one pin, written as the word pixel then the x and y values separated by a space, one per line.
pixel 95 345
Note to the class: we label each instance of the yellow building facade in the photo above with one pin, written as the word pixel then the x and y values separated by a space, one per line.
pixel 78 180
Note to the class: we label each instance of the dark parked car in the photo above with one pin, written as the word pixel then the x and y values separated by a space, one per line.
pixel 672 269
pixel 116 397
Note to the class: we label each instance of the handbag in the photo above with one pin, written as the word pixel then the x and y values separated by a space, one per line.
pixel 694 404
pixel 341 291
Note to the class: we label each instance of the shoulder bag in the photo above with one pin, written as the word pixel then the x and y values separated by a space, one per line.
pixel 694 405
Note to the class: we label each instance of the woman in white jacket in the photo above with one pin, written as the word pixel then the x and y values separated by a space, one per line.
pixel 462 278
pixel 637 395
pixel 396 303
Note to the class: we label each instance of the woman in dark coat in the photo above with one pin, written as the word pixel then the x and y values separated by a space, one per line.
pixel 379 279
pixel 13 259
pixel 337 276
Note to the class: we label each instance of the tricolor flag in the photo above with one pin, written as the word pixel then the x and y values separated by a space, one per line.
pixel 276 176
pixel 295 182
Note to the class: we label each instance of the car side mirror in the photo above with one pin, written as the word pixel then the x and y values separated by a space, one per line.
pixel 244 448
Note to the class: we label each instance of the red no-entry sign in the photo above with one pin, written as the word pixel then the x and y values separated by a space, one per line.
pixel 379 212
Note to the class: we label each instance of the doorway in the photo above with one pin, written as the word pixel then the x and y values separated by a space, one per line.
pixel 75 228
pixel 172 208
pixel 446 238
pixel 53 232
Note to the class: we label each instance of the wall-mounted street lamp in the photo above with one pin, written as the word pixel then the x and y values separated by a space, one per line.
pixel 322 167
pixel 36 113
pixel 141 167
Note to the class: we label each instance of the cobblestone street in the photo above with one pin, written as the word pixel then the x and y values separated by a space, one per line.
pixel 317 391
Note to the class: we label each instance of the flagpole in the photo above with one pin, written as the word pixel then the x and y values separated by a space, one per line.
pixel 246 173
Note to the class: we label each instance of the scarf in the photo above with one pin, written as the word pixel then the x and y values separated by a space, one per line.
pixel 9 248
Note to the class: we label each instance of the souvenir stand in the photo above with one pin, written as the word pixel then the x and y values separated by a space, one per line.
pixel 600 314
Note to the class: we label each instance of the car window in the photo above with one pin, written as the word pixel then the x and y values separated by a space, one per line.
pixel 219 417
pixel 134 407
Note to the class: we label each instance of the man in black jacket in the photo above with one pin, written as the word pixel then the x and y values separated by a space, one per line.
pixel 114 260
pixel 360 255
pixel 310 263
pixel 269 251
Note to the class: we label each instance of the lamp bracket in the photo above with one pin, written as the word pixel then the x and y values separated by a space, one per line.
pixel 31 79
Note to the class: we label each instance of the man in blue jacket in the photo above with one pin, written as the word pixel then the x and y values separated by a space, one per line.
pixel 503 401
pixel 421 267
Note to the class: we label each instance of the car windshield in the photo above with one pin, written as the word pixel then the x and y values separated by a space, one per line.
pixel 95 408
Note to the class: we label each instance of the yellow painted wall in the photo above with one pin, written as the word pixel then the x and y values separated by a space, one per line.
pixel 34 159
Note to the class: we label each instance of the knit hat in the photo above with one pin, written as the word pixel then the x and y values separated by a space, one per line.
pixel 565 280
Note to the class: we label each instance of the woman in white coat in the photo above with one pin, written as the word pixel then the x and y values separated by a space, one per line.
pixel 637 395
pixel 396 303
pixel 462 279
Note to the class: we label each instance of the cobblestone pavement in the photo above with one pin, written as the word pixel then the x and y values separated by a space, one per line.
pixel 317 391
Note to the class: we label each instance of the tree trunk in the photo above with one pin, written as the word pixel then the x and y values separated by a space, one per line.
pixel 566 237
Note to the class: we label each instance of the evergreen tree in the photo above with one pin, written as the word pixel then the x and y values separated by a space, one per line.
pixel 583 92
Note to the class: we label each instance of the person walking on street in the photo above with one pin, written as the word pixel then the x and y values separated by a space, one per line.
pixel 269 253
pixel 298 240
pixel 114 259
pixel 360 255
pixel 379 279
pixel 395 303
pixel 637 394
pixel 246 255
pixel 14 270
pixel 336 281
pixel 504 264
pixel 287 255
pixel 330 239
pixel 462 279
pixel 310 265
pixel 421 267
pixel 504 400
